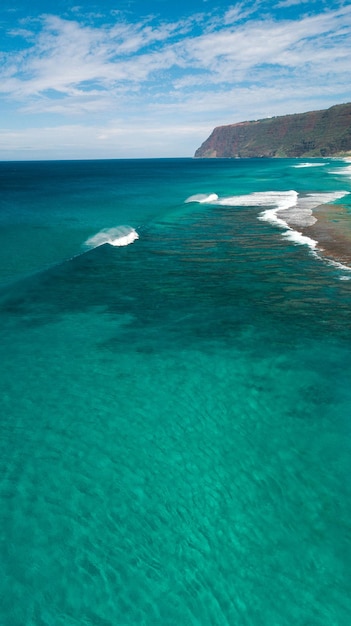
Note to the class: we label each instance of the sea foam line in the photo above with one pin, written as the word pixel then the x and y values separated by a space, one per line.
pixel 117 236
pixel 280 200
pixel 202 198
pixel 308 165
pixel 298 209
pixel 343 171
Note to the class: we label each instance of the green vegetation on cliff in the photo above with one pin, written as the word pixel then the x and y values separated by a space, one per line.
pixel 312 134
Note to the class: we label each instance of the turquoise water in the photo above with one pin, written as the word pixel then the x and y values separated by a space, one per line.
pixel 176 413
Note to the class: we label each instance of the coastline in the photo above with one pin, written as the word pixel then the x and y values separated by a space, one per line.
pixel 329 227
pixel 331 231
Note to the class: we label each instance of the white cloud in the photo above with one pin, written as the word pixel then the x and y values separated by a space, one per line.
pixel 117 140
pixel 67 56
pixel 239 12
pixel 198 72
pixel 290 3
pixel 269 42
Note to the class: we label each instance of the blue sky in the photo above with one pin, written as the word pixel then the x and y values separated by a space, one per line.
pixel 152 78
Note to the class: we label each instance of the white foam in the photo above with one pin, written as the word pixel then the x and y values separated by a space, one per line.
pixel 315 199
pixel 308 165
pixel 301 214
pixel 203 198
pixel 344 171
pixel 280 200
pixel 296 237
pixel 118 236
pixel 298 209
pixel 340 266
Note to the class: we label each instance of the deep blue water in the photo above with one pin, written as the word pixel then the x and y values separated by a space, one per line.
pixel 175 413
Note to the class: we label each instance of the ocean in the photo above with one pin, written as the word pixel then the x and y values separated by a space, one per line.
pixel 175 422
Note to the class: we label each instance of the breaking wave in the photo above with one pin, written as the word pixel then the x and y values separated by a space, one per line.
pixel 280 200
pixel 203 198
pixel 286 209
pixel 300 212
pixel 308 165
pixel 343 171
pixel 118 236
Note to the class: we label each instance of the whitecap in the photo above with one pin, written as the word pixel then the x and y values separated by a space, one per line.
pixel 280 200
pixel 308 165
pixel 202 198
pixel 340 266
pixel 282 209
pixel 343 171
pixel 296 237
pixel 301 214
pixel 324 197
pixel 117 236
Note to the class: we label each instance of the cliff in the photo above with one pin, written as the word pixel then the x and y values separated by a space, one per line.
pixel 312 134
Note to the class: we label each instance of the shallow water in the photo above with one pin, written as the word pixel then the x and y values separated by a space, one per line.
pixel 175 434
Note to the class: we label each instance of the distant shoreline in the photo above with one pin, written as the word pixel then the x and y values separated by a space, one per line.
pixel 314 134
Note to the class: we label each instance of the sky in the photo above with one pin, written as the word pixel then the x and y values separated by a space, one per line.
pixel 152 78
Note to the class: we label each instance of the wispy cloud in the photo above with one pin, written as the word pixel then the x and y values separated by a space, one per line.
pixel 290 3
pixel 261 43
pixel 209 68
pixel 111 141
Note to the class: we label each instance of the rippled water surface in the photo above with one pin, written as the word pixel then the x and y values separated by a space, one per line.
pixel 175 427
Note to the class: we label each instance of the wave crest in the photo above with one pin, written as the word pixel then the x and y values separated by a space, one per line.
pixel 308 165
pixel 344 171
pixel 117 236
pixel 203 198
